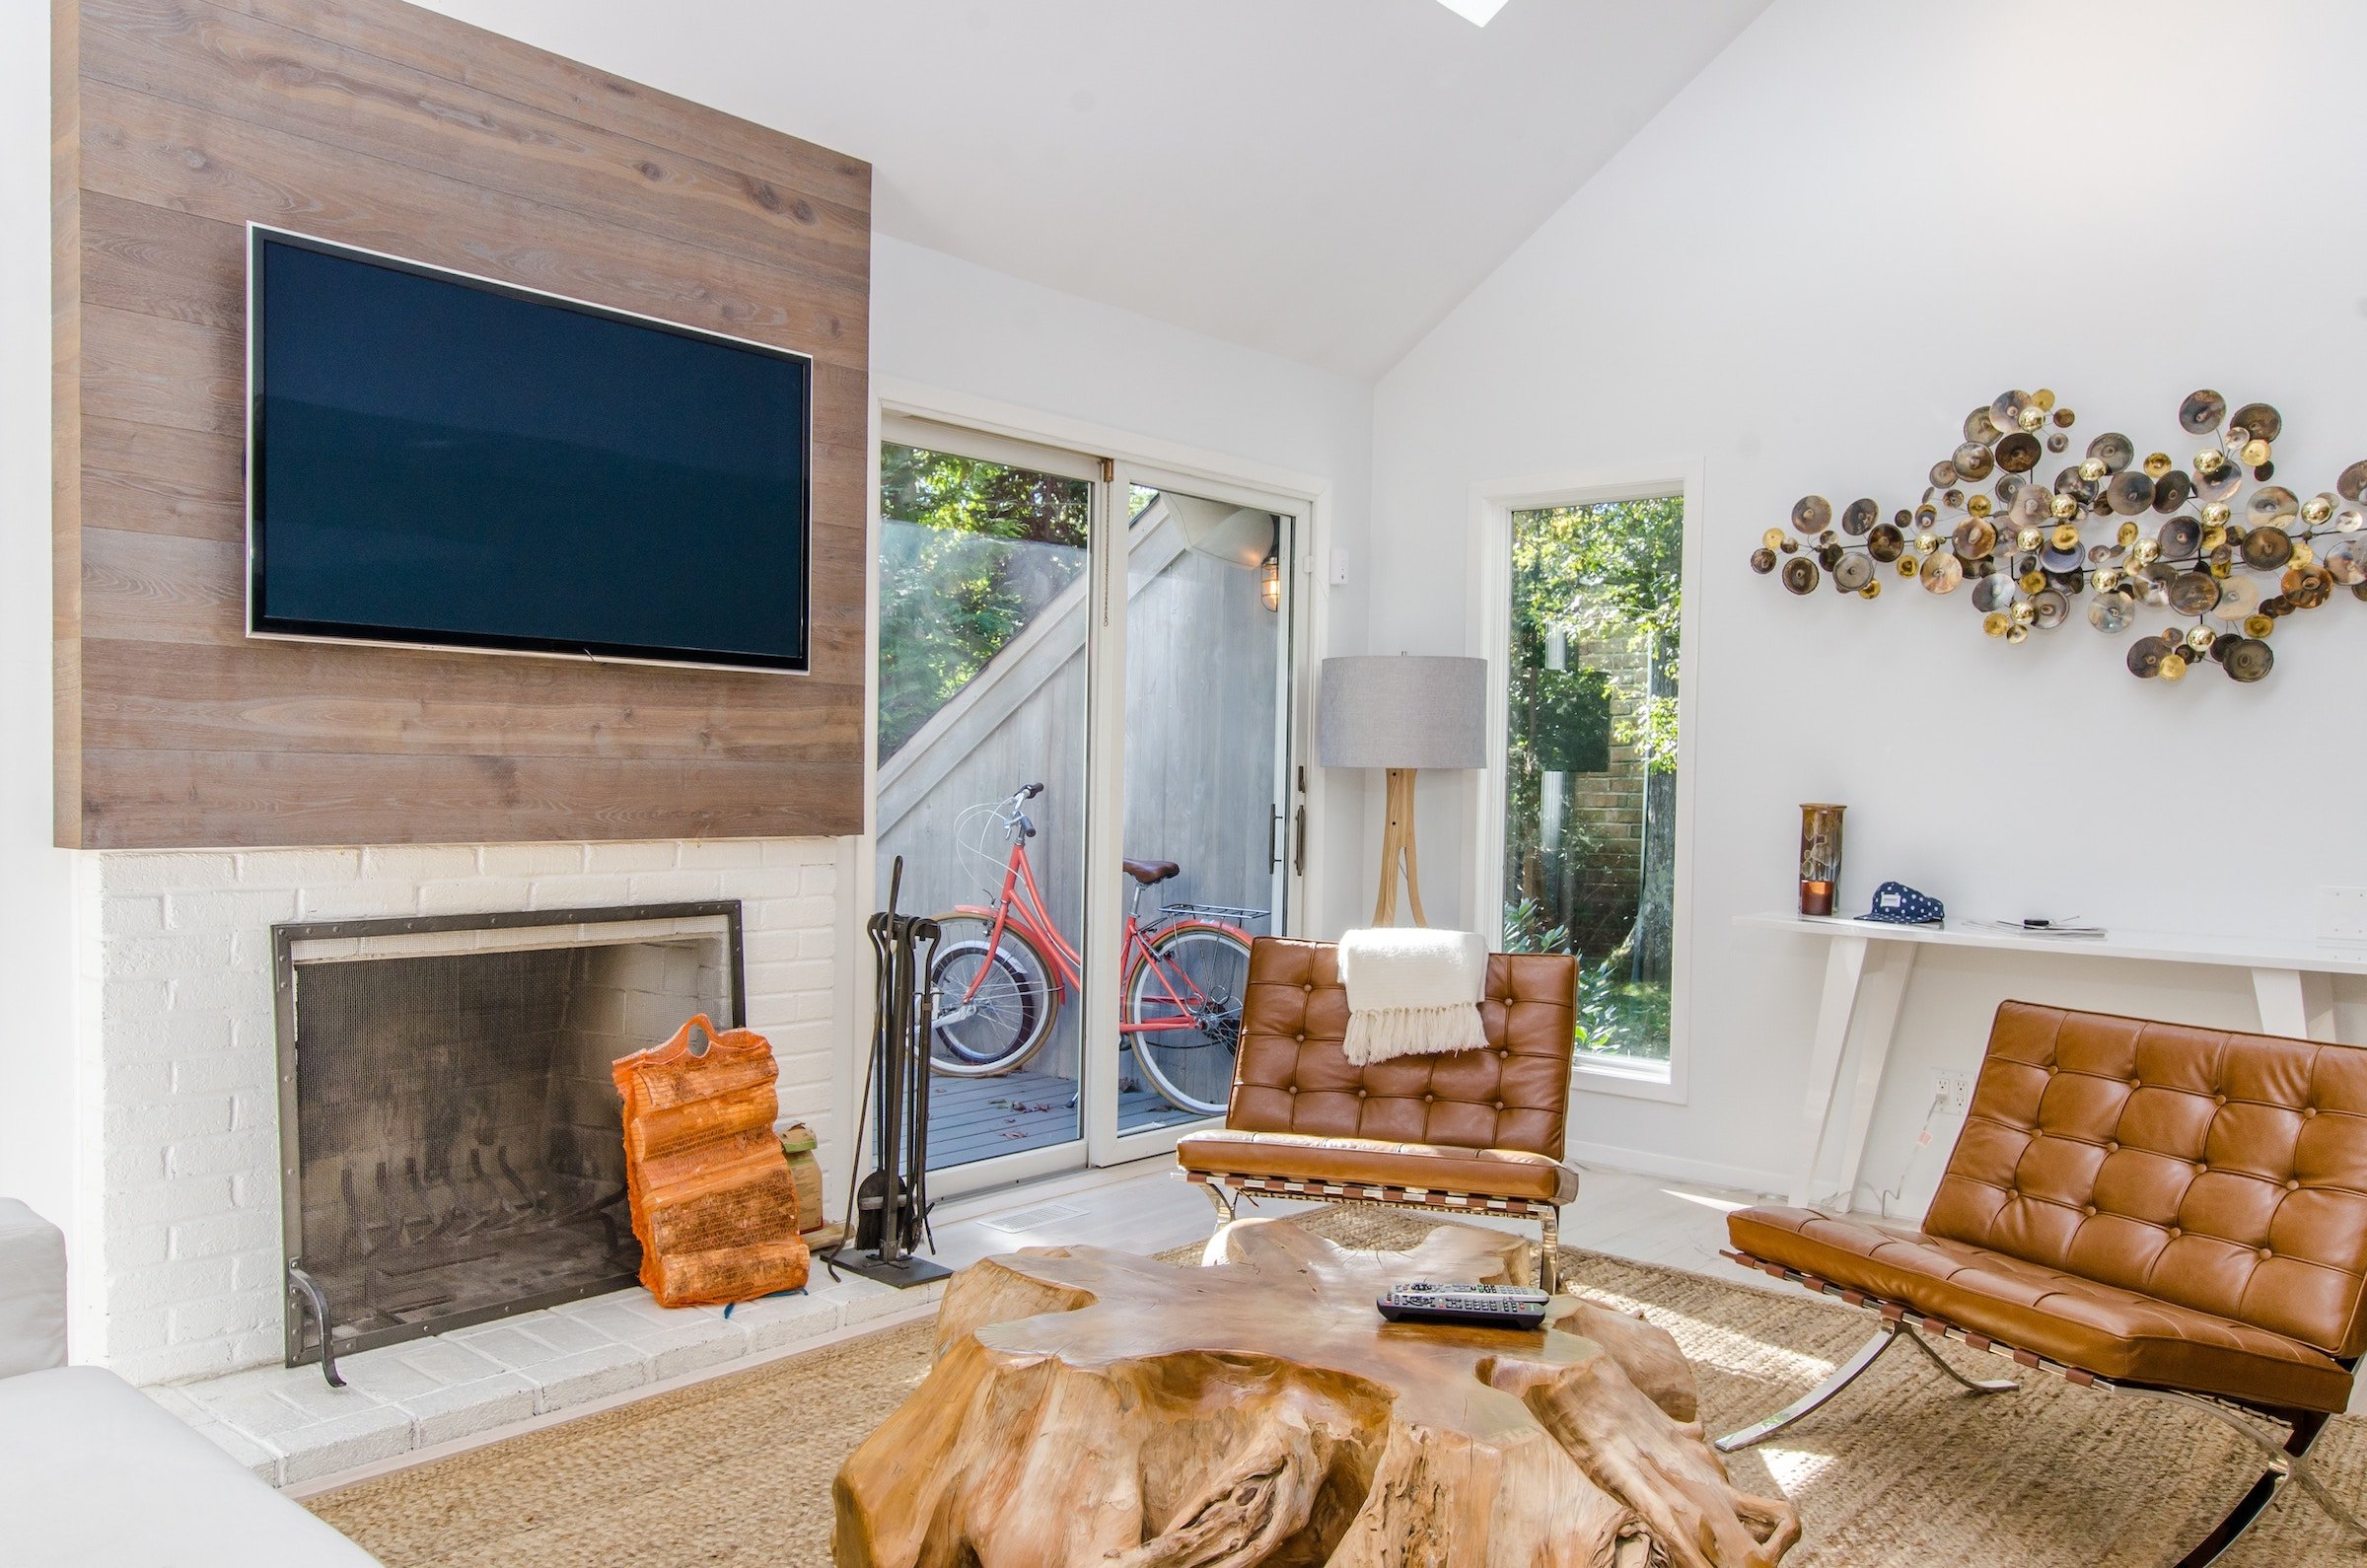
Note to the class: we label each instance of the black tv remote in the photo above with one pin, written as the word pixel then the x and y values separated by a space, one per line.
pixel 1476 1305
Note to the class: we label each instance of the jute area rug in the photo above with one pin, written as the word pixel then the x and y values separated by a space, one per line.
pixel 1901 1469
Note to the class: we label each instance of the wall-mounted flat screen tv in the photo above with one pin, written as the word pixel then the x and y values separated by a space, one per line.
pixel 439 460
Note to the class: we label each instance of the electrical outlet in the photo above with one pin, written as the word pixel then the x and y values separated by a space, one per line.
pixel 2343 914
pixel 1953 1089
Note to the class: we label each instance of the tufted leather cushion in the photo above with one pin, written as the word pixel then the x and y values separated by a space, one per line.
pixel 2226 1172
pixel 2130 1181
pixel 2111 1333
pixel 1505 1106
pixel 1293 1077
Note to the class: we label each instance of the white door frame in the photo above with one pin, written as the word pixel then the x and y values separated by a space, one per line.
pixel 1492 503
pixel 1198 471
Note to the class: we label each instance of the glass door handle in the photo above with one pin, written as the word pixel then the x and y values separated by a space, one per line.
pixel 1297 841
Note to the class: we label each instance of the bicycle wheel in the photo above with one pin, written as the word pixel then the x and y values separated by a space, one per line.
pixel 993 1004
pixel 1189 987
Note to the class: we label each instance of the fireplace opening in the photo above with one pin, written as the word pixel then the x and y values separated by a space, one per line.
pixel 452 1149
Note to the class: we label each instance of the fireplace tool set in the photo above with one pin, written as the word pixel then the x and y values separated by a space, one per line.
pixel 889 1209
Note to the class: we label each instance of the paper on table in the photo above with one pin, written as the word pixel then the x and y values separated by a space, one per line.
pixel 2060 926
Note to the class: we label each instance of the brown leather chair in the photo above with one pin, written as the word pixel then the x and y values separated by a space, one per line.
pixel 2142 1208
pixel 1476 1131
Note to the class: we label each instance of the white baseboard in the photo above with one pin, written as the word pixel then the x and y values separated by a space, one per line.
pixel 1676 1168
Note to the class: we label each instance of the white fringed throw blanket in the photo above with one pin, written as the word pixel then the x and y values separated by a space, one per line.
pixel 1413 992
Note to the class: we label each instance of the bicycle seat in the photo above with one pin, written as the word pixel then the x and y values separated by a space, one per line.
pixel 1148 872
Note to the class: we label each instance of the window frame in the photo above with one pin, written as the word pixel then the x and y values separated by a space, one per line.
pixel 1492 504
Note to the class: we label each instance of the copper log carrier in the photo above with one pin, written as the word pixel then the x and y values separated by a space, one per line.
pixel 439 1237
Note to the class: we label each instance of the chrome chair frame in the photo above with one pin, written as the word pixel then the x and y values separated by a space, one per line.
pixel 2285 1460
pixel 1364 1195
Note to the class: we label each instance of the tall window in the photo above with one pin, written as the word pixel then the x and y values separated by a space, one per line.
pixel 1590 809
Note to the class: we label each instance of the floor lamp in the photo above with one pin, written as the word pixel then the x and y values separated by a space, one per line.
pixel 1402 713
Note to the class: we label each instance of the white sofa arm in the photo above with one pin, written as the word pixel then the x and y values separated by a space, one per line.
pixel 32 1291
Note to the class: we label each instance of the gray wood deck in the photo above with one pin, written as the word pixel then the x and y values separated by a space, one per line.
pixel 977 1118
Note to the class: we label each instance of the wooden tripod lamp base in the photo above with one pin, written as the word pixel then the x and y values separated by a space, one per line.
pixel 1396 844
pixel 1402 713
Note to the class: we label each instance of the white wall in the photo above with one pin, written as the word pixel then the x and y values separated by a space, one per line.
pixel 1862 219
pixel 37 1106
pixel 954 326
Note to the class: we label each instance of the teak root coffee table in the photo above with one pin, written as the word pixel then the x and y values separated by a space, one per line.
pixel 1096 1407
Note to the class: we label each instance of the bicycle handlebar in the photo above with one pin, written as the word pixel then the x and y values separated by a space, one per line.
pixel 1012 817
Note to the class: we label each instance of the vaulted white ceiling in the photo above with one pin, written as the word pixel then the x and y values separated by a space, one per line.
pixel 1321 178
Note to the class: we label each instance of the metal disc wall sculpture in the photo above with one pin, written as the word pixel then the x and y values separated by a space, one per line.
pixel 2215 543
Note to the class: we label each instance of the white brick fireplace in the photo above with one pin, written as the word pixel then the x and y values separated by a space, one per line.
pixel 177 1267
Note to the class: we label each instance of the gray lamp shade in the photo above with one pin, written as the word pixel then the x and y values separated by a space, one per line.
pixel 1402 711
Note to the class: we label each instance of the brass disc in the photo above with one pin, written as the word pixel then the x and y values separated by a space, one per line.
pixel 2347 561
pixel 2273 503
pixel 2130 492
pixel 2193 593
pixel 2113 449
pixel 2201 413
pixel 2257 421
pixel 2266 550
pixel 2239 601
pixel 2111 613
pixel 1812 514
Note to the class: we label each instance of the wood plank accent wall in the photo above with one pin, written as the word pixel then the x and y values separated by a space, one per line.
pixel 379 124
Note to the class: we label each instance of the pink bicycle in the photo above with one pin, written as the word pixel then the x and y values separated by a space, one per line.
pixel 1003 970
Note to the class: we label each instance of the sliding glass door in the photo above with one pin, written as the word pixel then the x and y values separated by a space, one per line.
pixel 1085 726
pixel 985 605
pixel 1207 798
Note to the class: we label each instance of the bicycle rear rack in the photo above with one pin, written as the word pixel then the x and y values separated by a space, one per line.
pixel 1223 913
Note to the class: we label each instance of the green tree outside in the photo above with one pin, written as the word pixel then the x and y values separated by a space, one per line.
pixel 970 552
pixel 1601 582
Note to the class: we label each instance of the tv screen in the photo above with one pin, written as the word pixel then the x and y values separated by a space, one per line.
pixel 436 459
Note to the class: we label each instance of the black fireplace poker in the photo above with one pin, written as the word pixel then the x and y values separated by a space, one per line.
pixel 889 1210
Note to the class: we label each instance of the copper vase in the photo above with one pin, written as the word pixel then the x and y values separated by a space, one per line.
pixel 1820 856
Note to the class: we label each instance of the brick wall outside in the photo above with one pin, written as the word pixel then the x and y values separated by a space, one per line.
pixel 1607 809
pixel 178 1264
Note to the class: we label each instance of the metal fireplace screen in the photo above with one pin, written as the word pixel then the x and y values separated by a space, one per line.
pixel 450 1133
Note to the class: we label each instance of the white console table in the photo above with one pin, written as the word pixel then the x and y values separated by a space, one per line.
pixel 1867 962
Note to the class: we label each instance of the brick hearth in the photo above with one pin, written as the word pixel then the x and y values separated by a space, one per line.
pixel 177 1254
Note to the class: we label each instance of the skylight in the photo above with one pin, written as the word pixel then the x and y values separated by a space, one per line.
pixel 1479 13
